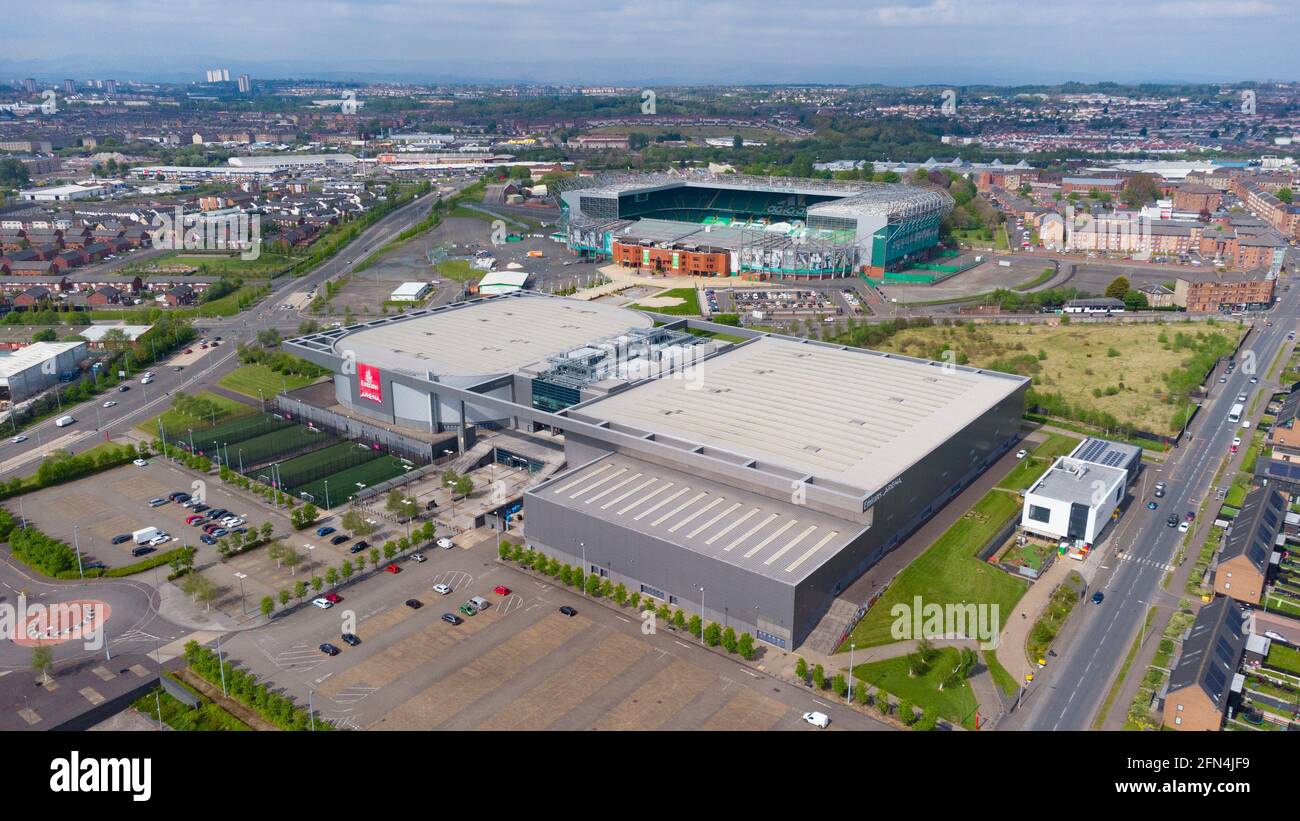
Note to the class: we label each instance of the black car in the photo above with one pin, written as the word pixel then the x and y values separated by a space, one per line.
pixel 199 508
pixel 218 513
pixel 414 604
pixel 179 496
pixel 1172 521
pixel 142 550
pixel 329 649
pixel 123 388
pixel 451 618
pixel 568 611
pixel 122 538
pixel 351 639
pixel 340 539
pixel 95 566
pixel 206 539
pixel 357 548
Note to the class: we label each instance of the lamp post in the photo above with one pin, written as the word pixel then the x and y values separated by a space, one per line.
pixel 849 698
pixel 242 604
pixel 701 615
pixel 77 543
pixel 583 546
pixel 327 494
pixel 221 665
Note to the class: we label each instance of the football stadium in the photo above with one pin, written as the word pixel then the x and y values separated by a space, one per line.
pixel 756 227
pixel 751 481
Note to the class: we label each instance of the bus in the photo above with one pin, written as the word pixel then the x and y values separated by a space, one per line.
pixel 1234 415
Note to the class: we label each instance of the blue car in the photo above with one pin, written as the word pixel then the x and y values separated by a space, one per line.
pixel 324 531
pixel 206 539
pixel 1097 597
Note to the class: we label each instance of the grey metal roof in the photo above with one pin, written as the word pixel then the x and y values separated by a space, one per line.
pixel 1071 480
pixel 1211 652
pixel 773 538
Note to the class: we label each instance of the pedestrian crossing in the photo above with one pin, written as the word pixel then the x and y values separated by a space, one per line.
pixel 1125 557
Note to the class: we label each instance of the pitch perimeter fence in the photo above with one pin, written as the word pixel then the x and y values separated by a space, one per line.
pixel 319 464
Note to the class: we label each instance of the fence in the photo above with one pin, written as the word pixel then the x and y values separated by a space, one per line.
pixel 346 427
pixel 320 464
pixel 225 433
pixel 280 445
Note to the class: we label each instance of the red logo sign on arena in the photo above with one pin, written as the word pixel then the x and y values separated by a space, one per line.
pixel 368 383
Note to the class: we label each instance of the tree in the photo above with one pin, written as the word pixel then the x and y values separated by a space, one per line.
pixel 840 685
pixel 1139 190
pixel 819 677
pixel 860 692
pixel 45 335
pixel 801 669
pixel 1135 300
pixel 285 597
pixel 729 642
pixel 745 646
pixel 882 702
pixel 356 524
pixel 42 660
pixel 300 590
pixel 906 712
pixel 713 634
pixel 928 721
pixel 268 605
pixel 695 625
pixel 1285 195
pixel 1118 287
pixel 331 576
pixel 266 530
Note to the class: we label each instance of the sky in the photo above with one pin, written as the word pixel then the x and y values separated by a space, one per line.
pixel 893 42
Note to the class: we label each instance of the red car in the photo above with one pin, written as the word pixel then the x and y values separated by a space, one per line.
pixel 333 598
pixel 501 590
pixel 192 518
pixel 392 568
pixel 189 350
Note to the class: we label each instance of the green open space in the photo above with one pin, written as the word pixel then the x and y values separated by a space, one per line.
pixel 183 416
pixel 252 379
pixel 957 703
pixel 346 483
pixel 690 303
pixel 949 572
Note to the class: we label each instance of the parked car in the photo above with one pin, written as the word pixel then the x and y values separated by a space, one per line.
pixel 451 618
pixel 351 639
pixel 479 603
pixel 144 549
pixel 1022 453
pixel 324 531
pixel 445 543
pixel 357 548
pixel 414 604
pixel 1172 521
pixel 329 649
pixel 157 502
pixel 1152 505
pixel 568 611
pixel 139 462
pixel 392 568
pixel 323 603
pixel 206 539
pixel 501 590
pixel 340 539
pixel 124 537
pixel 441 588
pixel 467 609
pixel 363 544
pixel 418 558
pixel 1184 527
pixel 332 598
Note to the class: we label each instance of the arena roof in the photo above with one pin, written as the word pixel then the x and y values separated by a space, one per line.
pixel 772 538
pixel 845 414
pixel 486 337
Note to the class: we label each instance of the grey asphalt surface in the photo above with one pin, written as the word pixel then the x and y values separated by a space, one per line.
pixel 1067 694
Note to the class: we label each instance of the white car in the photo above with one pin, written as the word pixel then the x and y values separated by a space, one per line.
pixel 817 719
pixel 1254 380
pixel 1275 636
pixel 161 538
pixel 110 403
pixel 18 440
pixel 1022 453
pixel 441 588
pixel 323 604
pixel 445 543
pixel 1183 527
pixel 418 557
pixel 140 462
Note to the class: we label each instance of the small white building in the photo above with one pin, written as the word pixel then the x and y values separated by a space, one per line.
pixel 411 291
pixel 62 193
pixel 1077 496
pixel 502 282
pixel 1095 305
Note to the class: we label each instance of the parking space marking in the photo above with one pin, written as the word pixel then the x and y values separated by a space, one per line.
pixel 659 699
pixel 454 692
pixel 455 579
pixel 544 704
pixel 512 602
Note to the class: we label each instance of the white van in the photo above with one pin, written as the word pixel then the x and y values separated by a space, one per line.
pixel 817 719
pixel 64 421
pixel 145 535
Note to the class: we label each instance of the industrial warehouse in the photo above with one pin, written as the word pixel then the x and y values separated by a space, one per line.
pixel 750 481
pixel 758 227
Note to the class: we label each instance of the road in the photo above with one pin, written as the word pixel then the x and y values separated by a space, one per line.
pixel 1067 694
pixel 96 423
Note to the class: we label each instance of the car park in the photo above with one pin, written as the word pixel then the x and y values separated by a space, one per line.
pixel 451 618
pixel 414 604
pixel 329 649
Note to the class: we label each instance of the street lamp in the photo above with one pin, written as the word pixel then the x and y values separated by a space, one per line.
pixel 242 604
pixel 327 494
pixel 701 615
pixel 848 699
pixel 583 546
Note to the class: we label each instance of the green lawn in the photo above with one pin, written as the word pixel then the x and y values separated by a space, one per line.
pixel 948 572
pixel 248 379
pixel 1284 658
pixel 957 704
pixel 690 303
pixel 175 422
pixel 1004 680
pixel 459 270
pixel 1039 460
pixel 206 717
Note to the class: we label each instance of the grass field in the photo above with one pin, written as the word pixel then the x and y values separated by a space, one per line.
pixel 949 573
pixel 344 483
pixel 459 270
pixel 690 305
pixel 957 704
pixel 248 379
pixel 217 264
pixel 176 423
pixel 1004 680
pixel 1284 658
pixel 1125 364
pixel 1039 459
pixel 303 470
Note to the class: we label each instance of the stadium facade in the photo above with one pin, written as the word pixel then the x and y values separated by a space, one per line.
pixel 752 481
pixel 756 227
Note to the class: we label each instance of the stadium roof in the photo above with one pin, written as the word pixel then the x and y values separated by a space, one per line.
pixel 772 538
pixel 843 414
pixel 485 337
